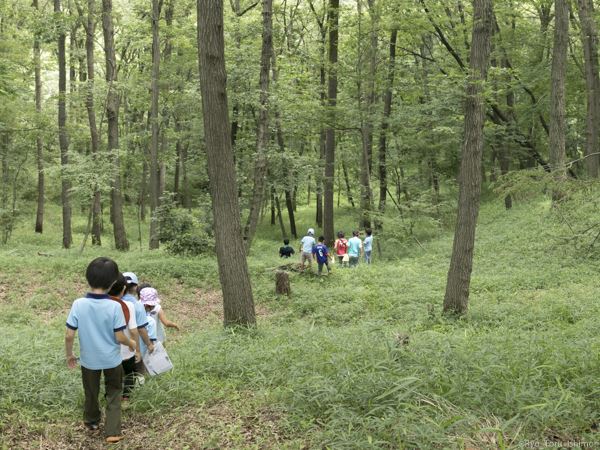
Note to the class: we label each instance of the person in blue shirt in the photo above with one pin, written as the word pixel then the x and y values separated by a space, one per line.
pixel 131 295
pixel 321 253
pixel 354 249
pixel 100 322
pixel 368 245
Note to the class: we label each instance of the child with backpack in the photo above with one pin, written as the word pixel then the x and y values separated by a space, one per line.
pixel 322 255
pixel 341 247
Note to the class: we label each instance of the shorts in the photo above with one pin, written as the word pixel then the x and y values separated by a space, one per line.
pixel 353 261
pixel 306 257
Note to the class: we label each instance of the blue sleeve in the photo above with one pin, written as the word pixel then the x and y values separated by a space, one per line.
pixel 118 318
pixel 72 321
pixel 140 315
pixel 326 250
pixel 152 329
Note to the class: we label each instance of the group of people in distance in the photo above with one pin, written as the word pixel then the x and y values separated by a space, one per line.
pixel 347 252
pixel 119 321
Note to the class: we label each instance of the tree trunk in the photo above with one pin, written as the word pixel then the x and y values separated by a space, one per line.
pixel 387 110
pixel 557 96
pixel 286 172
pixel 459 275
pixel 328 182
pixel 154 168
pixel 91 111
pixel 62 132
pixel 347 181
pixel 282 283
pixel 279 216
pixel 589 40
pixel 187 194
pixel 177 175
pixel 143 187
pixel 238 303
pixel 112 116
pixel 366 128
pixel 319 181
pixel 505 153
pixel 260 167
pixel 39 217
pixel 272 205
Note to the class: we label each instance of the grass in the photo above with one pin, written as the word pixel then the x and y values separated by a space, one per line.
pixel 361 359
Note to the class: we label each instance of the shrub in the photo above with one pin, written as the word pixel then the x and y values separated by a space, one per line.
pixel 182 232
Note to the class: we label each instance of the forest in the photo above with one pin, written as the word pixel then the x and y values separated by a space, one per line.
pixel 187 139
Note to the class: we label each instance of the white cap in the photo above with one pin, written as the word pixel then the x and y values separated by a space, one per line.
pixel 311 231
pixel 131 278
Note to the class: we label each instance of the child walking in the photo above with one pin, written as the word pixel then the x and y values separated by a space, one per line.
pixel 341 247
pixel 287 250
pixel 157 313
pixel 129 358
pixel 149 299
pixel 306 248
pixel 322 253
pixel 368 245
pixel 100 322
pixel 131 296
pixel 354 249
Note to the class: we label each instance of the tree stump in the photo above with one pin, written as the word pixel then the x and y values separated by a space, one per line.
pixel 282 283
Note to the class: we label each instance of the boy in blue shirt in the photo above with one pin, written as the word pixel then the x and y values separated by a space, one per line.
pixel 100 322
pixel 322 254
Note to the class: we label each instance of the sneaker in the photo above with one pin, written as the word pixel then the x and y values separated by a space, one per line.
pixel 91 426
pixel 113 439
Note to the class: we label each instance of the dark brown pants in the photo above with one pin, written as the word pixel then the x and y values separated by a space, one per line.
pixel 113 379
pixel 129 375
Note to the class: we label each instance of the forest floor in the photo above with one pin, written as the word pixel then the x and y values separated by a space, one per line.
pixel 360 359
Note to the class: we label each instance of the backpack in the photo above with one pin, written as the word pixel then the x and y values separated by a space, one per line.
pixel 342 247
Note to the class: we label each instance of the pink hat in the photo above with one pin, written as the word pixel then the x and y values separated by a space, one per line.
pixel 149 296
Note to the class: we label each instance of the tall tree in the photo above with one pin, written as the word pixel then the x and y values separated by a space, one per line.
pixel 112 116
pixel 260 166
pixel 557 96
pixel 238 303
pixel 366 121
pixel 288 189
pixel 461 265
pixel 589 39
pixel 387 110
pixel 90 33
pixel 39 217
pixel 320 18
pixel 63 137
pixel 154 168
pixel 328 181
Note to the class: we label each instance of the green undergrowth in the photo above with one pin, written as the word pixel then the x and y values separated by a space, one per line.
pixel 359 359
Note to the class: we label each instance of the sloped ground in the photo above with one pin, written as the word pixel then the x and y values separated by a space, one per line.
pixel 360 359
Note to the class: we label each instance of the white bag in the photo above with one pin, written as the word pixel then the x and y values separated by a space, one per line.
pixel 158 361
